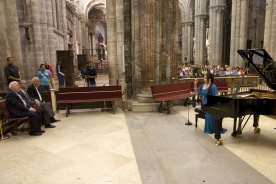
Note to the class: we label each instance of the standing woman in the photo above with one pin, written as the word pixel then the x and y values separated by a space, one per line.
pixel 208 88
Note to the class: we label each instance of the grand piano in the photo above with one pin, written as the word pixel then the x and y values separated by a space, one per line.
pixel 254 102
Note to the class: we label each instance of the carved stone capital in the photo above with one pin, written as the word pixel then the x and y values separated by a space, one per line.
pixel 203 16
pixel 187 23
pixel 220 8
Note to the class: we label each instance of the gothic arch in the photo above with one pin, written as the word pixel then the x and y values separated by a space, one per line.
pixel 91 5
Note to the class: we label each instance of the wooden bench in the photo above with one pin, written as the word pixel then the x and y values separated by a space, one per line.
pixel 74 97
pixel 169 92
pixel 222 87
pixel 12 125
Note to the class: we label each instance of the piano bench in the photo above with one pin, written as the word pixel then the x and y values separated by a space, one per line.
pixel 199 114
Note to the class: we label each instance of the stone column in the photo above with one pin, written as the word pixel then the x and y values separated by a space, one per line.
pixel 196 46
pixel 219 33
pixel 44 31
pixel 273 33
pixel 112 41
pixel 190 41
pixel 10 44
pixel 233 34
pixel 237 35
pixel 202 39
pixel 54 13
pixel 184 41
pixel 51 38
pixel 120 41
pixel 63 28
pixel 268 25
pixel 212 35
pixel 37 36
pixel 243 29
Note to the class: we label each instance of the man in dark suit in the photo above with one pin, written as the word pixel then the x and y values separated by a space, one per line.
pixel 19 108
pixel 45 108
pixel 34 92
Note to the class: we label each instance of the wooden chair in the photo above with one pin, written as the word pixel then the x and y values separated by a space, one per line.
pixel 12 124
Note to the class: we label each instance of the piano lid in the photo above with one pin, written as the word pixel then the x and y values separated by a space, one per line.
pixel 262 63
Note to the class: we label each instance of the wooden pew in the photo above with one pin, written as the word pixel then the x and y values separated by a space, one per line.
pixel 95 97
pixel 169 92
pixel 222 87
pixel 12 124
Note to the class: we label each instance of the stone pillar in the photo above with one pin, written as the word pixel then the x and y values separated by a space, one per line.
pixel 51 38
pixel 37 36
pixel 219 34
pixel 44 31
pixel 202 39
pixel 9 40
pixel 112 41
pixel 268 24
pixel 233 34
pixel 184 41
pixel 190 41
pixel 120 42
pixel 237 35
pixel 54 13
pixel 243 29
pixel 273 33
pixel 196 46
pixel 63 28
pixel 212 35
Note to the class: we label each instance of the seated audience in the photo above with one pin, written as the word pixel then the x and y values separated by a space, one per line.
pixel 45 108
pixel 35 93
pixel 19 108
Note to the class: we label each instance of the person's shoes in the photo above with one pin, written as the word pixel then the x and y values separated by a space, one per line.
pixel 42 131
pixel 49 126
pixel 35 134
pixel 53 120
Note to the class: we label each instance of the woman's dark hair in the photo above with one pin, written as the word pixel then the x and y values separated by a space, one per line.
pixel 210 76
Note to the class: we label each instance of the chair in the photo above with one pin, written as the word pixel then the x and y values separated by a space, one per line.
pixel 199 114
pixel 12 124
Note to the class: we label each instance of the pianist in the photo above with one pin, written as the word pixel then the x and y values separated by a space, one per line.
pixel 208 88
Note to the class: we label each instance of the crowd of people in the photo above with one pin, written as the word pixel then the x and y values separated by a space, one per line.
pixel 187 70
pixel 23 100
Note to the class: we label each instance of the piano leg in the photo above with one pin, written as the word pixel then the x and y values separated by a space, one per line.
pixel 256 123
pixel 234 133
pixel 218 127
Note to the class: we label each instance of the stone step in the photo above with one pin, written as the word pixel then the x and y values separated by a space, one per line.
pixel 144 107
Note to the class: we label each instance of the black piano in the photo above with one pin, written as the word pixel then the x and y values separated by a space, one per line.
pixel 253 102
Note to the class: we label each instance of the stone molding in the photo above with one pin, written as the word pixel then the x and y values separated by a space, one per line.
pixel 190 23
pixel 58 32
pixel 26 24
pixel 202 16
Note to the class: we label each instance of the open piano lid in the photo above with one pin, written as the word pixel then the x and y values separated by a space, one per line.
pixel 259 57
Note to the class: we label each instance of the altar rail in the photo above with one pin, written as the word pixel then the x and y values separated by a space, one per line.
pixel 248 82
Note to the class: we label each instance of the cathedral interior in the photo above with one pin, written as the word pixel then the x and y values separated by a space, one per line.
pixel 135 44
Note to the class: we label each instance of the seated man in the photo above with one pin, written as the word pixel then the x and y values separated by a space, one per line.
pixel 34 92
pixel 19 108
pixel 45 108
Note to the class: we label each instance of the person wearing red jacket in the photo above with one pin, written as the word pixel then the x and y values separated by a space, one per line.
pixel 50 68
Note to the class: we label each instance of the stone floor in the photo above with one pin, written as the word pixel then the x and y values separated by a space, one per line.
pixel 91 146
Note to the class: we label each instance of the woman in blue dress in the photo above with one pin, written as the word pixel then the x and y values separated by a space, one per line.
pixel 203 90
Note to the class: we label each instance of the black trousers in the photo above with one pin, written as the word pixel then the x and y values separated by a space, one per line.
pixel 35 121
